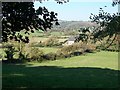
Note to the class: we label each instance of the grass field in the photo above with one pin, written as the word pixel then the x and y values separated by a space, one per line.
pixel 38 39
pixel 103 59
pixel 94 70
pixel 48 49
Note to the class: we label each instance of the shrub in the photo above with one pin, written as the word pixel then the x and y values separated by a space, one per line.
pixel 16 50
pixel 59 55
pixel 76 47
pixel 90 48
pixel 77 53
pixel 52 41
pixel 66 50
pixel 50 56
pixel 36 54
pixel 23 51
pixel 113 47
pixel 10 51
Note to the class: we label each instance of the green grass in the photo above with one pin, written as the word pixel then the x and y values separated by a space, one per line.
pixel 94 70
pixel 48 49
pixel 62 40
pixel 2 53
pixel 57 33
pixel 103 59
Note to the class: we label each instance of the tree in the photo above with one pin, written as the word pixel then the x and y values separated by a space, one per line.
pixel 83 35
pixel 109 25
pixel 18 16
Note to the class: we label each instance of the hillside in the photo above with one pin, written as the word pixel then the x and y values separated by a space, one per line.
pixel 72 25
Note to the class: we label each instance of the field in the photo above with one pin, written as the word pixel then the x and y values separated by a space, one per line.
pixel 48 49
pixel 90 70
pixel 38 39
pixel 93 70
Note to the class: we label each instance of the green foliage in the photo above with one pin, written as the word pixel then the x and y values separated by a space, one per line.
pixel 59 55
pixel 113 47
pixel 80 47
pixel 51 41
pixel 10 51
pixel 108 26
pixel 20 16
pixel 36 54
pixel 84 34
pixel 50 56
pixel 23 51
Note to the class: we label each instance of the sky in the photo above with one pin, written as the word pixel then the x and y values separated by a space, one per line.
pixel 77 10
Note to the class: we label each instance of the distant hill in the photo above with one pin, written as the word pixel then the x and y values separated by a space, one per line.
pixel 72 25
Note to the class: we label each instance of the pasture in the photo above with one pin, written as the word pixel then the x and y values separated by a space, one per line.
pixel 90 70
pixel 36 53
pixel 48 49
pixel 93 70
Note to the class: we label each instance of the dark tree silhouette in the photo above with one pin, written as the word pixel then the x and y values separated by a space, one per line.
pixel 83 36
pixel 18 16
pixel 109 25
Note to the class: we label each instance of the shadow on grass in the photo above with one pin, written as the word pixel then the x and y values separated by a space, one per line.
pixel 22 76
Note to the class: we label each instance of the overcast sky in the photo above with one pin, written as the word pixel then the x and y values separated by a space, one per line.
pixel 77 9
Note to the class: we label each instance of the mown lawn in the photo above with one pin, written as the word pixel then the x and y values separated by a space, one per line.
pixel 94 70
pixel 103 59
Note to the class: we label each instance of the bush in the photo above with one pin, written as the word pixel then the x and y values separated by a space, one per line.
pixel 15 50
pixel 36 54
pixel 22 51
pixel 113 47
pixel 76 47
pixel 76 53
pixel 90 48
pixel 50 56
pixel 66 50
pixel 10 51
pixel 52 41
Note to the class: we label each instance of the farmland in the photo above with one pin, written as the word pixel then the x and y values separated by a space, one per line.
pixel 97 69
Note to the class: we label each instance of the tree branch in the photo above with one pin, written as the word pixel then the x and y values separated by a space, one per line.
pixel 112 41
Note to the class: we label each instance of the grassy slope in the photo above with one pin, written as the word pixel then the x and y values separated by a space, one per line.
pixel 101 59
pixel 98 70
